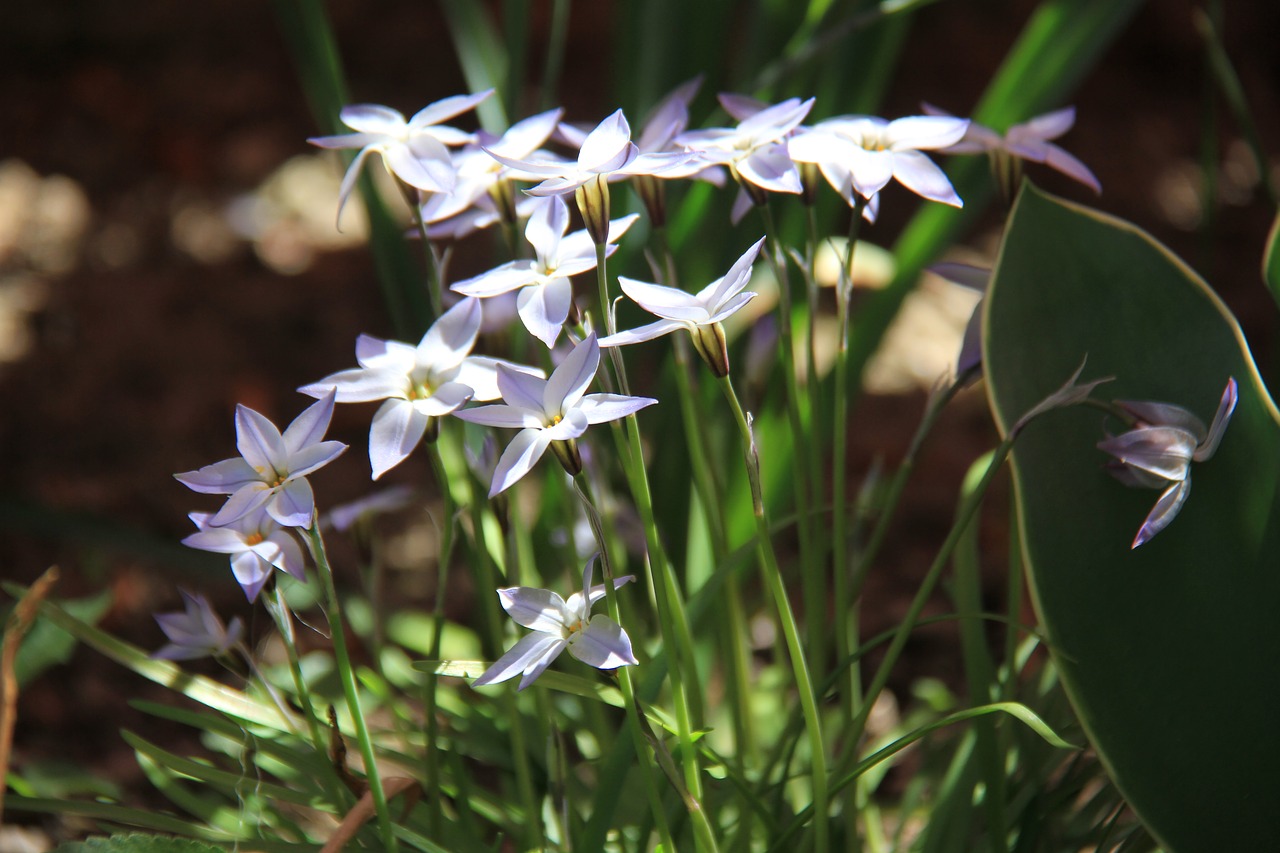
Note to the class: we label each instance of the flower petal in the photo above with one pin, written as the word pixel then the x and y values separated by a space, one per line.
pixel 499 280
pixel 923 177
pixel 602 644
pixel 220 478
pixel 518 459
pixel 259 442
pixel 314 456
pixel 451 337
pixel 508 417
pixel 243 501
pixel 308 427
pixel 924 132
pixel 293 504
pixel 1166 508
pixel 426 166
pixel 1225 407
pixel 600 408
pixel 447 108
pixel 1161 450
pixel 521 389
pixel 373 118
pixel 569 381
pixel 608 146
pixel 359 385
pixel 397 429
pixel 251 572
pixel 528 652
pixel 667 302
pixel 543 310
pixel 642 333
pixel 547 225
pixel 538 609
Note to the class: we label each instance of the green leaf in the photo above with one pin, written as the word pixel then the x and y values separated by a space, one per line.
pixel 1167 651
pixel 47 645
pixel 206 691
pixel 1271 260
pixel 137 843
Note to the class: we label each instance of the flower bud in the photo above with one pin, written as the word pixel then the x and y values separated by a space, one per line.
pixel 710 343
pixel 593 204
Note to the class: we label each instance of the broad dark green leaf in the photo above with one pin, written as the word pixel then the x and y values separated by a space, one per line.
pixel 1167 651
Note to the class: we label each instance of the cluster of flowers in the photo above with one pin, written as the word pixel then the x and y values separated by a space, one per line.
pixel 463 181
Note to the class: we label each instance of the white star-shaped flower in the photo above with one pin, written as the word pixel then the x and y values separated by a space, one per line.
pixel 557 625
pixel 546 293
pixel 700 313
pixel 271 470
pixel 418 383
pixel 863 153
pixel 414 151
pixel 549 413
pixel 256 543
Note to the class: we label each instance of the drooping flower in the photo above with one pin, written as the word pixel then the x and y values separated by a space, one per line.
pixel 418 383
pixel 545 296
pixel 557 625
pixel 861 154
pixel 271 470
pixel 549 413
pixel 256 543
pixel 1026 141
pixel 1158 451
pixel 414 151
pixel 196 632
pixel 700 313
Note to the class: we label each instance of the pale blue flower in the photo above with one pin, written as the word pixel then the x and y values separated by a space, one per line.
pixel 197 632
pixel 415 151
pixel 557 625
pixel 550 413
pixel 271 470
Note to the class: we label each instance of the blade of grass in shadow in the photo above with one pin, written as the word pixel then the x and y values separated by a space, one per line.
pixel 306 29
pixel 1271 260
pixel 196 687
pixel 980 671
pixel 483 58
pixel 1057 48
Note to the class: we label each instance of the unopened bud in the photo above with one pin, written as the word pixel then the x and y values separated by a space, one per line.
pixel 567 453
pixel 710 343
pixel 593 204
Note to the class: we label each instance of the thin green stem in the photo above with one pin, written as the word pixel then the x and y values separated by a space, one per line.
pixel 346 674
pixel 969 508
pixel 435 282
pixel 812 576
pixel 787 621
pixel 637 722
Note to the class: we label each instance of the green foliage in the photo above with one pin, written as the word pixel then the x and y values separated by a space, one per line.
pixel 137 843
pixel 1166 650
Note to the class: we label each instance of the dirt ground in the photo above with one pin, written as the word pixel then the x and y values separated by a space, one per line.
pixel 142 294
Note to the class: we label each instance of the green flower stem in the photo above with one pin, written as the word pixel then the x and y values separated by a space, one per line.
pixel 346 674
pixel 969 507
pixel 845 611
pixel 641 735
pixel 894 492
pixel 813 578
pixel 787 620
pixel 279 610
pixel 435 280
pixel 734 627
pixel 486 579
pixel 606 313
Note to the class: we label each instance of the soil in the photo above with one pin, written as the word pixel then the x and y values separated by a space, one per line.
pixel 133 332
